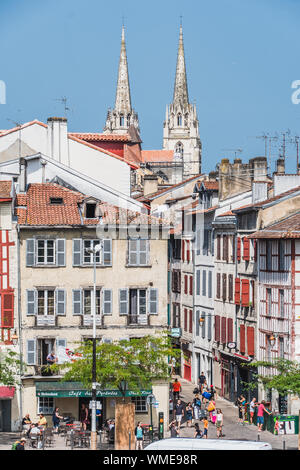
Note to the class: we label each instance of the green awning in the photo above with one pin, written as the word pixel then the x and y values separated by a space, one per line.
pixel 77 390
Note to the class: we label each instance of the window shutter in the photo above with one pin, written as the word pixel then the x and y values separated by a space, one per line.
pixel 225 248
pixel 242 339
pixel 60 343
pixel 123 301
pixel 204 282
pixel 209 317
pixel 185 319
pixel 224 287
pixel 153 302
pixel 30 252
pixel 204 325
pixel 229 330
pixel 60 301
pixel 183 251
pixel 31 302
pixel 191 285
pixel 7 314
pixel 185 284
pixel 209 284
pixel 218 247
pixel 198 281
pixel 246 245
pixel 255 250
pixel 77 301
pixel 217 328
pixel 230 287
pixel 61 252
pixel 250 340
pixel 245 292
pixel 188 251
pixel 31 352
pixel 191 321
pixel 223 330
pixel 107 249
pixel 238 250
pixel 197 322
pixel 107 301
pixel 218 285
pixel 237 292
pixel 77 250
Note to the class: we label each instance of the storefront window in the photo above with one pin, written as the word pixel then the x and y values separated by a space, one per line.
pixel 46 405
pixel 140 404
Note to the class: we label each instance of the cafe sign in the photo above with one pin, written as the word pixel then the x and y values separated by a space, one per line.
pixel 88 394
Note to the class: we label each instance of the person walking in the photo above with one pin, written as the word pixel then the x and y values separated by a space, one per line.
pixel 139 436
pixel 84 416
pixel 176 389
pixel 179 413
pixel 219 423
pixel 241 401
pixel 201 381
pixel 198 433
pixel 252 407
pixel 205 428
pixel 197 406
pixel 260 415
pixel 211 408
pixel 173 429
pixel 56 419
pixel 189 414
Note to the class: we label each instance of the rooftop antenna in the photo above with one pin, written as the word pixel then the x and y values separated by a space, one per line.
pixel 64 100
pixel 265 138
pixel 19 125
pixel 236 151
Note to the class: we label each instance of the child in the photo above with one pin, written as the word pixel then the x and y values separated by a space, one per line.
pixel 276 428
pixel 205 429
pixel 198 433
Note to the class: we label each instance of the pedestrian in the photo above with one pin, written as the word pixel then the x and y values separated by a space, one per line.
pixel 189 414
pixel 173 429
pixel 205 396
pixel 211 407
pixel 19 445
pixel 176 389
pixel 56 419
pixel 241 403
pixel 252 407
pixel 197 406
pixel 84 416
pixel 179 413
pixel 260 415
pixel 276 426
pixel 139 436
pixel 212 391
pixel 198 433
pixel 219 423
pixel 201 381
pixel 35 434
pixel 205 429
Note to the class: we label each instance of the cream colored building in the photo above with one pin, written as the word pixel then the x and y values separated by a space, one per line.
pixel 57 226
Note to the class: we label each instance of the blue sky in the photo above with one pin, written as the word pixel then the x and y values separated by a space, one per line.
pixel 241 55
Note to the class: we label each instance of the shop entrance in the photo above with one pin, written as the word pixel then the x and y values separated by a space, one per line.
pixel 5 415
pixel 100 413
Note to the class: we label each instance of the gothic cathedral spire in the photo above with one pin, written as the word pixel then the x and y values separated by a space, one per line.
pixel 181 127
pixel 123 115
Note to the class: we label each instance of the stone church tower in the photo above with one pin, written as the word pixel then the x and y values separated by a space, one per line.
pixel 123 115
pixel 181 127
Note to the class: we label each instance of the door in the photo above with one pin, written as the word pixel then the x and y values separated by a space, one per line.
pixel 187 368
pixel 5 415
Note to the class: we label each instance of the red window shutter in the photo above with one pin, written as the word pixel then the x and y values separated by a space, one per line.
pixel 233 248
pixel 237 293
pixel 238 251
pixel 229 330
pixel 217 328
pixel 188 252
pixel 185 284
pixel 218 285
pixel 191 285
pixel 230 287
pixel 253 294
pixel 255 250
pixel 218 247
pixel 183 250
pixel 185 320
pixel 7 310
pixel 223 330
pixel 242 339
pixel 245 293
pixel 191 321
pixel 246 244
pixel 250 340
pixel 224 293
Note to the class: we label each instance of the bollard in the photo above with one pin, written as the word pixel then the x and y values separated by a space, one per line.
pixel 129 440
pixel 284 443
pixel 258 437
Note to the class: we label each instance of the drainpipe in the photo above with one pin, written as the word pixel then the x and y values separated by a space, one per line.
pixel 19 321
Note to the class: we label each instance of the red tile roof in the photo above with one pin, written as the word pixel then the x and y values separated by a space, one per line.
pixel 210 185
pixel 97 137
pixel 286 228
pixel 5 189
pixel 39 211
pixel 267 201
pixel 157 155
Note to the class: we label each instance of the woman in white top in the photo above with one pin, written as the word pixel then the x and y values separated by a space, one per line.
pixel 219 423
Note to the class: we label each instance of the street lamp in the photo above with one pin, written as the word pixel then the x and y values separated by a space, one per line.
pixel 272 340
pixel 14 338
pixel 96 249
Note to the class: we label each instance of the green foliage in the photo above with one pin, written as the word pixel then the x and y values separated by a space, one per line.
pixel 284 375
pixel 10 366
pixel 138 362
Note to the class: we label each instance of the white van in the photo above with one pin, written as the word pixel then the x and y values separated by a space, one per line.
pixel 185 443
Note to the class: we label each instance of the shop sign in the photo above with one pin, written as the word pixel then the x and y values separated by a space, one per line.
pixel 88 394
pixel 176 332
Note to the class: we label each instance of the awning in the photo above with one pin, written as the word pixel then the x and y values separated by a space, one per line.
pixel 77 390
pixel 7 392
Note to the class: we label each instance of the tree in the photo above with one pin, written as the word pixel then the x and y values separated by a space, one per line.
pixel 137 362
pixel 284 376
pixel 10 366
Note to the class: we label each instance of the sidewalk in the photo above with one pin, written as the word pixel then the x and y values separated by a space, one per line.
pixel 232 429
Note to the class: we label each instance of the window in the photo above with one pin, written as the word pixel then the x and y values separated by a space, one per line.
pixel 225 248
pixel 204 282
pixel 230 287
pixel 44 347
pixel 269 255
pixel 45 405
pixel 121 120
pixel 138 302
pixel 179 120
pixel 176 248
pixel 138 252
pixel 90 210
pixel 88 256
pixel 179 150
pixel 81 257
pixel 218 293
pixel 281 347
pixel 191 285
pixel 209 284
pixel 45 302
pixel 224 296
pixel 191 321
pixel 176 315
pixel 57 201
pixel 88 302
pixel 45 252
pixel 198 274
pixel 140 404
pixel 218 247
pixel 281 255
pixel 185 319
pixel 176 281
pixel 281 303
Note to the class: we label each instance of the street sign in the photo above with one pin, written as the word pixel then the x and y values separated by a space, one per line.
pixel 98 405
pixel 151 398
pixel 155 404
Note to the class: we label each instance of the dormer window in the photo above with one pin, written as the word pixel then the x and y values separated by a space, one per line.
pixel 90 210
pixel 56 201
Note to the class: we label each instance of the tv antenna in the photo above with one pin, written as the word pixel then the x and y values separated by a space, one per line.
pixel 236 151
pixel 19 125
pixel 64 101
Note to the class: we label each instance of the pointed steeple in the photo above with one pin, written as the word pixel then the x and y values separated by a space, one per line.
pixel 123 115
pixel 123 99
pixel 180 88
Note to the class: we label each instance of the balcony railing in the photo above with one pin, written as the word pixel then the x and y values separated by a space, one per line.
pixel 138 320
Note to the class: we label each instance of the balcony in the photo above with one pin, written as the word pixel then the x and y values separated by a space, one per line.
pixel 138 320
